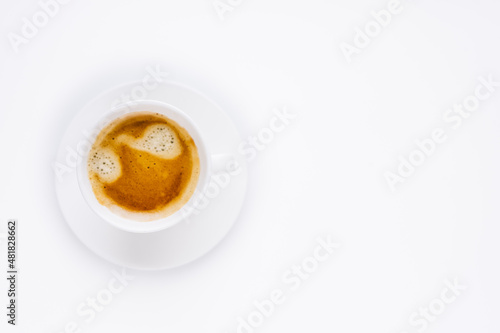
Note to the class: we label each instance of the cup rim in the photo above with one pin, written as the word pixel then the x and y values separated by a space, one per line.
pixel 170 112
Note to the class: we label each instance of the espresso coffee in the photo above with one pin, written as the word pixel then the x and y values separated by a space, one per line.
pixel 143 166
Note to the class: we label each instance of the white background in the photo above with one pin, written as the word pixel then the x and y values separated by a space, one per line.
pixel 324 175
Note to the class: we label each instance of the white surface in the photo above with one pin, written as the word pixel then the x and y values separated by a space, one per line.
pixel 322 175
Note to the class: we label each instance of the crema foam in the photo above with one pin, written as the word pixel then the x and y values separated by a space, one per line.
pixel 143 166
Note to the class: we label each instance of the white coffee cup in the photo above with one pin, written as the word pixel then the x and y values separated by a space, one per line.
pixel 207 163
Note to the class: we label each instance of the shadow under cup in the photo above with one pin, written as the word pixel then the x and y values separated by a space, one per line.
pixel 171 112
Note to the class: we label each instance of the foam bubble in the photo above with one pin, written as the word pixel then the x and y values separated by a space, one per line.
pixel 106 164
pixel 159 140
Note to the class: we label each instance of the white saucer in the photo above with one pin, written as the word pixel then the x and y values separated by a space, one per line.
pixel 181 243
